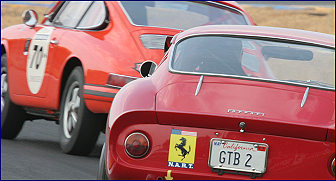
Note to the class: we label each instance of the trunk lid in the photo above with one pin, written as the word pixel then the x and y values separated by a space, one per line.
pixel 266 108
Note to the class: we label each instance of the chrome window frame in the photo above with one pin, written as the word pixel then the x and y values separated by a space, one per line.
pixel 59 13
pixel 89 28
pixel 265 38
pixel 247 20
pixel 93 26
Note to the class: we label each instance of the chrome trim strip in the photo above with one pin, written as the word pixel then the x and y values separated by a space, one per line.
pixel 124 76
pixel 113 86
pixel 77 27
pixel 93 26
pixel 304 98
pixel 199 85
pixel 206 2
pixel 170 68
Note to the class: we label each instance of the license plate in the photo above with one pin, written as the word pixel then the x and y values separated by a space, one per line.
pixel 239 156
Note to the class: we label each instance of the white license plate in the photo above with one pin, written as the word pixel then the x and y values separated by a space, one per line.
pixel 239 156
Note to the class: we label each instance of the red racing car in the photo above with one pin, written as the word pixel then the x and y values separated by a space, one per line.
pixel 70 67
pixel 209 111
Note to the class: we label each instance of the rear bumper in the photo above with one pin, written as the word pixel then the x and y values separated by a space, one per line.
pixel 121 172
pixel 288 158
pixel 98 98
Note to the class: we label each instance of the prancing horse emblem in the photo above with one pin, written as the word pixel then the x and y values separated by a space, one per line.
pixel 181 146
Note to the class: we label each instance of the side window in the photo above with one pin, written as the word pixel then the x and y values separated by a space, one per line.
pixel 72 13
pixel 50 15
pixel 94 17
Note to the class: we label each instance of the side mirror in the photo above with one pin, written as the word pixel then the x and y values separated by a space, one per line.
pixel 147 68
pixel 30 18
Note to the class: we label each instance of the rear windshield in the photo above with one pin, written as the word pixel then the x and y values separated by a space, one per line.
pixel 256 59
pixel 180 15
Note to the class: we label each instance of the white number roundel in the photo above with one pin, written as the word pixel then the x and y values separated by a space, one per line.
pixel 37 59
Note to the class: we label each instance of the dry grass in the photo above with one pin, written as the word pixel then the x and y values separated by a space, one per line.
pixel 11 14
pixel 313 19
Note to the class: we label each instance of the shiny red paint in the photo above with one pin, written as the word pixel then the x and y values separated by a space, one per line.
pixel 301 140
pixel 103 52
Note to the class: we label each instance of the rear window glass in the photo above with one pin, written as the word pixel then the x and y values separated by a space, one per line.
pixel 179 14
pixel 256 59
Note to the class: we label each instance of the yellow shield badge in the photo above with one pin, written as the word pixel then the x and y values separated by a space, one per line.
pixel 182 149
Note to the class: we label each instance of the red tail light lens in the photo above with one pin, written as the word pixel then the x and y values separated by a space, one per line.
pixel 118 81
pixel 137 145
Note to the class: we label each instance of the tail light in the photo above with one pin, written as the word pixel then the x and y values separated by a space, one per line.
pixel 137 145
pixel 118 81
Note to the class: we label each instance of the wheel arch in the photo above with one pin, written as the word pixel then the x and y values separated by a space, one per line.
pixel 69 66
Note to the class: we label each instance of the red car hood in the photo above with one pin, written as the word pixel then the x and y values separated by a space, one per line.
pixel 266 108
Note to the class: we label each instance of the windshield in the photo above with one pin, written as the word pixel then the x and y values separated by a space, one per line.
pixel 179 14
pixel 256 59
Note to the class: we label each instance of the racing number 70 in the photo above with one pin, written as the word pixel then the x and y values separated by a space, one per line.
pixel 37 56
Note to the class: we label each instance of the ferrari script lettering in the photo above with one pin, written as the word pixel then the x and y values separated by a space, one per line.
pixel 245 112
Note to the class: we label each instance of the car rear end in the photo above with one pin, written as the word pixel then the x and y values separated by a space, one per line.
pixel 194 120
pixel 218 154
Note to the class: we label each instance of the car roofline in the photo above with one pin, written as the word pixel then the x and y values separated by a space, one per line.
pixel 264 32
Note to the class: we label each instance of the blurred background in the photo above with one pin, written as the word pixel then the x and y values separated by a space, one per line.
pixel 316 16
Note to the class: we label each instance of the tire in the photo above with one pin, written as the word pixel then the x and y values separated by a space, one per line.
pixel 79 127
pixel 102 167
pixel 12 116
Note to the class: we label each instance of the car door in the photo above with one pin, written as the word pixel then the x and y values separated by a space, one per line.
pixel 32 61
pixel 43 47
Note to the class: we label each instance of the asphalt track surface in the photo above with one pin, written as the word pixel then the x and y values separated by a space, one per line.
pixel 36 155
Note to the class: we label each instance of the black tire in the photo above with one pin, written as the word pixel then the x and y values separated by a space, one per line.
pixel 77 138
pixel 102 167
pixel 12 116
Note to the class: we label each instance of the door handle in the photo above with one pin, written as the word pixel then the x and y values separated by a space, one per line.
pixel 55 42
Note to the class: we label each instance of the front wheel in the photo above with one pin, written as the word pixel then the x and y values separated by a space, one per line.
pixel 79 127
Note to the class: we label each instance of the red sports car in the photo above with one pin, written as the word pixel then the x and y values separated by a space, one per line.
pixel 70 67
pixel 211 110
